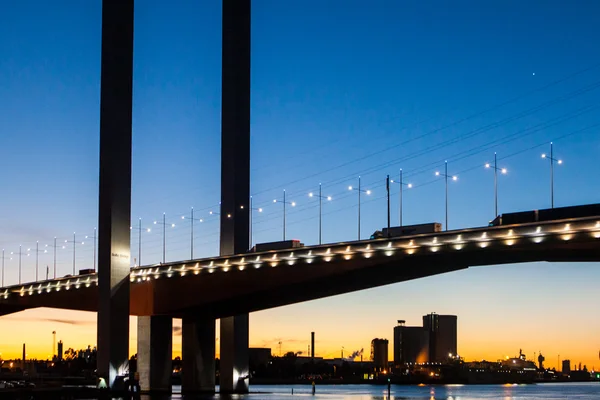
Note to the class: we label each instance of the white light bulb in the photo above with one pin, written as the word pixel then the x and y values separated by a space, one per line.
pixel 310 194
pixel 487 165
pixel 293 204
pixel 368 192
pixel 410 185
pixel 349 187
pixel 329 198
pixel 437 173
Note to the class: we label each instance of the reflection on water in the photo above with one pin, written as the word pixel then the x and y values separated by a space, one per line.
pixel 550 391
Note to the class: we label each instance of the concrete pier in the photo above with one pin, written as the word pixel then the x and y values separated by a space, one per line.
pixel 198 355
pixel 155 353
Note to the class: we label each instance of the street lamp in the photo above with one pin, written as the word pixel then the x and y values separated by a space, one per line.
pixel 139 229
pixel 293 204
pixel 402 184
pixel 321 197
pixel 74 241
pixel 37 257
pixel 252 209
pixel 502 171
pixel 192 219
pixel 552 161
pixel 2 267
pixel 446 176
pixel 359 190
pixel 94 237
pixel 55 247
pixel 164 225
pixel 20 253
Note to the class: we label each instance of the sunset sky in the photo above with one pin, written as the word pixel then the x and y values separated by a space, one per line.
pixel 339 89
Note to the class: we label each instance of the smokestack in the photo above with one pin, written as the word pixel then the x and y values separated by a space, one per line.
pixel 312 346
pixel 23 359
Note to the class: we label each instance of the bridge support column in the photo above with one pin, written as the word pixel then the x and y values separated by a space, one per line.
pixel 114 189
pixel 235 179
pixel 234 371
pixel 198 355
pixel 155 353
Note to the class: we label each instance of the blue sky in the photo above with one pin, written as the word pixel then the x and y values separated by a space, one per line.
pixel 339 89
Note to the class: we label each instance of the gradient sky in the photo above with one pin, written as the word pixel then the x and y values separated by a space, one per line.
pixel 339 89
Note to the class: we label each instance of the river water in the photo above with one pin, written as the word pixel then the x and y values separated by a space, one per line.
pixel 544 391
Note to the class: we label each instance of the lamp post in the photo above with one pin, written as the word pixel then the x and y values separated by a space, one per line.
pixel 359 190
pixel 552 161
pixel 139 229
pixel 20 253
pixel 252 209
pixel 54 246
pixel 402 184
pixel 164 225
pixel 94 238
pixel 74 241
pixel 192 219
pixel 284 202
pixel 446 176
pixel 2 267
pixel 502 171
pixel 321 197
pixel 37 257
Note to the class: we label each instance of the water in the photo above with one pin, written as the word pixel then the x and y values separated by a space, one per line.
pixel 544 391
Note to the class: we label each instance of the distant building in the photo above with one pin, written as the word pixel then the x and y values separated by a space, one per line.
pixel 442 330
pixel 411 344
pixel 566 367
pixel 59 356
pixel 259 356
pixel 379 354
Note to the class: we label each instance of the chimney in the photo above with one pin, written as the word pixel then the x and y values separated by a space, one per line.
pixel 312 346
pixel 23 359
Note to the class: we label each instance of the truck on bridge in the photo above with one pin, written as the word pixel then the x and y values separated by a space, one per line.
pixel 406 230
pixel 548 214
pixel 281 245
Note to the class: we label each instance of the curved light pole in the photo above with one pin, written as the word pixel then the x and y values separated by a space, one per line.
pixel 20 253
pixel 502 171
pixel 2 267
pixel 164 225
pixel 94 237
pixel 552 161
pixel 54 246
pixel 74 241
pixel 446 176
pixel 252 209
pixel 37 258
pixel 359 190
pixel 284 202
pixel 321 197
pixel 402 184
pixel 140 230
pixel 192 219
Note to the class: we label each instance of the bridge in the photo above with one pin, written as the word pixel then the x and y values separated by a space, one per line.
pixel 236 283
pixel 218 287
pixel 199 291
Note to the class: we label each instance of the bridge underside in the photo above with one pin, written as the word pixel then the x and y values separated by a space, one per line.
pixel 222 294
